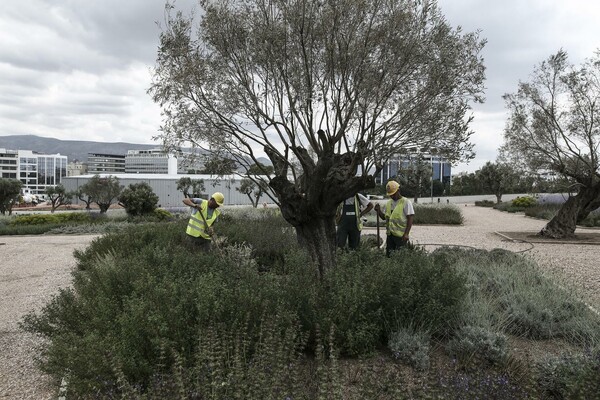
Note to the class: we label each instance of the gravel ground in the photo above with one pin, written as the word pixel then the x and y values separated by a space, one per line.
pixel 33 268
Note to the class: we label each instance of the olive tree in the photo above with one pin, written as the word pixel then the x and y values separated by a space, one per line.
pixel 103 191
pixel 9 192
pixel 138 199
pixel 58 196
pixel 328 90
pixel 553 127
pixel 496 178
pixel 186 183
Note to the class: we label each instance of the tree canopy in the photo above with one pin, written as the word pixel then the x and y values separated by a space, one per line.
pixel 9 191
pixel 553 126
pixel 328 90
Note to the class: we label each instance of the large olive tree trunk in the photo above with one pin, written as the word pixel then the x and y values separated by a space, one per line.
pixel 310 202
pixel 574 210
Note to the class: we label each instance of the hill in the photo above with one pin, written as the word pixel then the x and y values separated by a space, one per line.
pixel 73 149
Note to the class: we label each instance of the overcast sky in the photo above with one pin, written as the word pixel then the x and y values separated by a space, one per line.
pixel 79 70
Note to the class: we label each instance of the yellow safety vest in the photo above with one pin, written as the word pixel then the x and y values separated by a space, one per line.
pixel 338 214
pixel 395 220
pixel 196 225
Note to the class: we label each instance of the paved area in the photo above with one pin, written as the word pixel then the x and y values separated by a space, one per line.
pixel 33 268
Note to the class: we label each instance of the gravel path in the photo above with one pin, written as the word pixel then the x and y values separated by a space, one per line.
pixel 32 268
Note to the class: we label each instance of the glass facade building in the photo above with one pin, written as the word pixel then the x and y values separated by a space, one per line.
pixel 36 171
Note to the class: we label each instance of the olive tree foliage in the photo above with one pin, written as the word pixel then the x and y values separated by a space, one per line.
pixel 58 196
pixel 186 184
pixel 497 178
pixel 338 86
pixel 138 199
pixel 415 176
pixel 103 191
pixel 554 126
pixel 9 193
pixel 256 182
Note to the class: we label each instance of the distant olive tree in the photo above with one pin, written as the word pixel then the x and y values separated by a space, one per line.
pixel 9 193
pixel 58 196
pixel 103 191
pixel 186 183
pixel 497 179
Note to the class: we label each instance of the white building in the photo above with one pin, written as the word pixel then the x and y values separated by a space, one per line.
pixel 165 187
pixel 36 171
pixel 154 161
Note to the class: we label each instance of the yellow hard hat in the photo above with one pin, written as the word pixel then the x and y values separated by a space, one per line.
pixel 219 198
pixel 392 187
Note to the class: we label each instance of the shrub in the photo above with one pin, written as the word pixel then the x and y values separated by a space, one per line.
pixel 478 346
pixel 507 292
pixel 570 376
pixel 524 202
pixel 56 218
pixel 438 214
pixel 410 347
pixel 138 199
pixel 485 203
pixel 367 291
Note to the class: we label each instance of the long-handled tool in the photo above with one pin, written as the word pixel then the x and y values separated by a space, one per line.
pixel 377 213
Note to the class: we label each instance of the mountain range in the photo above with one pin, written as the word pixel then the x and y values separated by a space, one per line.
pixel 73 149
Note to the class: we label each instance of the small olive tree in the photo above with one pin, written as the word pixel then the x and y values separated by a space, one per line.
pixel 103 191
pixel 9 193
pixel 58 196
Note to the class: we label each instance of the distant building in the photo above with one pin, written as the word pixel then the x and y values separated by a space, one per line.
pixel 154 161
pixel 76 168
pixel 165 187
pixel 98 163
pixel 36 171
pixel 442 169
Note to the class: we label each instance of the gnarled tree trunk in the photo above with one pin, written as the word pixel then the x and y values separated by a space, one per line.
pixel 574 210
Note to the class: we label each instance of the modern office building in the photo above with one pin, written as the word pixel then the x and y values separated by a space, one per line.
pixel 153 161
pixel 36 171
pixel 105 163
pixel 441 168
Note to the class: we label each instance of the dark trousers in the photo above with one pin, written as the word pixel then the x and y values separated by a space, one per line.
pixel 348 232
pixel 394 243
pixel 198 243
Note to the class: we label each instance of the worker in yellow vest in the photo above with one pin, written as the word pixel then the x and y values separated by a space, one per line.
pixel 204 215
pixel 398 214
pixel 348 220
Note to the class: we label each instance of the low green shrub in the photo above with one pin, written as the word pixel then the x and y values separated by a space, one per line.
pixel 55 218
pixel 410 347
pixel 428 214
pixel 543 211
pixel 508 207
pixel 478 346
pixel 524 202
pixel 485 203
pixel 570 376
pixel 508 293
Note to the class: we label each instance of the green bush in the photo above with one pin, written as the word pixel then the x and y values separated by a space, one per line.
pixel 478 346
pixel 55 218
pixel 507 293
pixel 570 376
pixel 428 214
pixel 138 199
pixel 543 211
pixel 410 347
pixel 485 203
pixel 524 202
pixel 508 207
